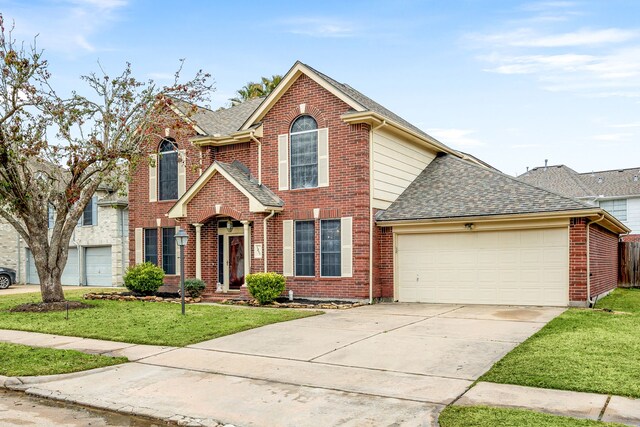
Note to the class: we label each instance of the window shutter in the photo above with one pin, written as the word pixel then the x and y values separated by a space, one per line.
pixel 153 178
pixel 182 172
pixel 283 162
pixel 287 248
pixel 346 241
pixel 323 157
pixel 94 210
pixel 178 272
pixel 139 238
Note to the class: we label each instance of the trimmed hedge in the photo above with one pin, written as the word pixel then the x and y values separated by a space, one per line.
pixel 194 287
pixel 144 278
pixel 265 287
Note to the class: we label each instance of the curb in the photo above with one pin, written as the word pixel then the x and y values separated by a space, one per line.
pixel 21 383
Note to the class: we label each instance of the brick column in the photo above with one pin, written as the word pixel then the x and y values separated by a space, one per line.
pixel 578 261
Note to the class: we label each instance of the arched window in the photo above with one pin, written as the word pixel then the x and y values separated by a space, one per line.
pixel 304 153
pixel 167 170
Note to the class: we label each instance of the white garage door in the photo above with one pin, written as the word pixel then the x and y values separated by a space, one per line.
pixel 517 267
pixel 98 266
pixel 69 275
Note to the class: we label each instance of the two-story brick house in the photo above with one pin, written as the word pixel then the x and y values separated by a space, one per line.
pixel 348 200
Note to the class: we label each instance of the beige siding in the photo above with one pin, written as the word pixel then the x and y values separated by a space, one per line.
pixel 396 163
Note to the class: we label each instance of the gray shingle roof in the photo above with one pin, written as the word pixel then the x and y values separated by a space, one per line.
pixel 454 188
pixel 565 180
pixel 241 174
pixel 613 183
pixel 224 121
pixel 558 178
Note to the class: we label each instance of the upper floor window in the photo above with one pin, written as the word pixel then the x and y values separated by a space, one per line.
pixel 304 153
pixel 90 213
pixel 167 170
pixel 617 208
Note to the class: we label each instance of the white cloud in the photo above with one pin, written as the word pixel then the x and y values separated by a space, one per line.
pixel 456 137
pixel 320 27
pixel 613 137
pixel 526 145
pixel 527 37
pixel 67 26
pixel 625 125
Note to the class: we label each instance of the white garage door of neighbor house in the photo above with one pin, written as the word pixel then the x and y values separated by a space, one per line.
pixel 69 275
pixel 515 267
pixel 98 266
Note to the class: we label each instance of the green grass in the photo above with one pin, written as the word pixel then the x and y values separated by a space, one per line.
pixel 141 322
pixel 581 350
pixel 482 416
pixel 22 360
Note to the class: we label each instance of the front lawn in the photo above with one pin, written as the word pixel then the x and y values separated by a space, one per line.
pixel 21 360
pixel 482 416
pixel 581 350
pixel 141 322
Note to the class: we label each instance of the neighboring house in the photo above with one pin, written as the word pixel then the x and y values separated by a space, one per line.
pixel 348 200
pixel 616 191
pixel 97 251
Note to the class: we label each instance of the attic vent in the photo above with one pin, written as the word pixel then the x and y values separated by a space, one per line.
pixel 600 180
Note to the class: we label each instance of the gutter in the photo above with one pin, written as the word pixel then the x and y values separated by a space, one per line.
pixel 590 302
pixel 371 220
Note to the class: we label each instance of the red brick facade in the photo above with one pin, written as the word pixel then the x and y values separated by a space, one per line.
pixel 346 196
pixel 603 262
pixel 603 246
pixel 631 238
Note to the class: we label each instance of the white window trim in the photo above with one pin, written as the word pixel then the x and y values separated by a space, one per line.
pixel 302 132
pixel 295 261
pixel 339 222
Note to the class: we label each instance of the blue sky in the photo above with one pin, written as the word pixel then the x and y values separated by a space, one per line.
pixel 512 82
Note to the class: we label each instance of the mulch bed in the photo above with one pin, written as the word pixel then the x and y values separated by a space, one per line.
pixel 43 307
pixel 299 303
pixel 130 296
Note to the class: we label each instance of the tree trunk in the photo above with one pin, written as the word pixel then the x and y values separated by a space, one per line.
pixel 50 260
pixel 51 288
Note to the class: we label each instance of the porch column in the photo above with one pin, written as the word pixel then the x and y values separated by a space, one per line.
pixel 198 251
pixel 247 250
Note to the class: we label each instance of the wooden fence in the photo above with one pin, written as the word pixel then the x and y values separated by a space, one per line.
pixel 629 275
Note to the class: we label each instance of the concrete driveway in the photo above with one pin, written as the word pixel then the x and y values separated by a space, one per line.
pixel 386 364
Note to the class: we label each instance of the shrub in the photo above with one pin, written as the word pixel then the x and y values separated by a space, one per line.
pixel 144 278
pixel 265 287
pixel 193 287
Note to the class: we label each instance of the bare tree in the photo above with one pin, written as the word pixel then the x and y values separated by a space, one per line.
pixel 97 138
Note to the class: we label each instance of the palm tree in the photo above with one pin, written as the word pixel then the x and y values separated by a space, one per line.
pixel 256 90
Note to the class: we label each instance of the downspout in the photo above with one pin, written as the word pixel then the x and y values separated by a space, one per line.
pixel 371 225
pixel 19 272
pixel 122 254
pixel 590 302
pixel 80 257
pixel 264 251
pixel 259 158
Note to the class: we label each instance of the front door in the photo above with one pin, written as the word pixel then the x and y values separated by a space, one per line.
pixel 231 260
pixel 235 245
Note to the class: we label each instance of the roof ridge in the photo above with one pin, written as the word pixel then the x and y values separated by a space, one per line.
pixel 512 178
pixel 611 170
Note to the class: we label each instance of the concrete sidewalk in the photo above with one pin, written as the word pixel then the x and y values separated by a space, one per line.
pixel 86 345
pixel 592 406
pixel 387 364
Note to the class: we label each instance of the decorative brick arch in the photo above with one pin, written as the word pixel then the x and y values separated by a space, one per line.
pixel 221 210
pixel 310 110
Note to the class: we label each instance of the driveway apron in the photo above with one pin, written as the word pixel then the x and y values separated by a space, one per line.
pixel 385 364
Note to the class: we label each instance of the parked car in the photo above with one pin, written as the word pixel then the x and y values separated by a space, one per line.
pixel 7 277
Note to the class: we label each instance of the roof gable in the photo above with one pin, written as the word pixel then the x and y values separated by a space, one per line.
pixel 558 178
pixel 454 188
pixel 261 199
